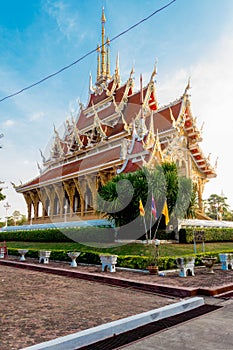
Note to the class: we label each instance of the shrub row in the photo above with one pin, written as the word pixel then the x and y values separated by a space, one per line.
pixel 61 255
pixel 127 261
pixel 211 234
pixel 91 257
pixel 86 234
pixel 133 262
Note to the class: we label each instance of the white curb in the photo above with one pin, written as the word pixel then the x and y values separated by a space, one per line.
pixel 92 335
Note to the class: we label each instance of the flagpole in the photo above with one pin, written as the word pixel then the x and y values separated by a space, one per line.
pixel 150 218
pixel 145 228
pixel 142 213
pixel 165 213
pixel 159 219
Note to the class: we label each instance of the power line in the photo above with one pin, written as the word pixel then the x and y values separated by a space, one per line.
pixel 87 54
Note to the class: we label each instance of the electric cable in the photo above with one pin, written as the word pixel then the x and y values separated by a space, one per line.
pixel 87 54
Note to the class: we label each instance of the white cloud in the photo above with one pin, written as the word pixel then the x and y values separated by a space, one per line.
pixel 37 116
pixel 211 97
pixel 67 20
pixel 8 123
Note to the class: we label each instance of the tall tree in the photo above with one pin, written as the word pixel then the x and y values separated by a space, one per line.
pixel 2 196
pixel 16 218
pixel 186 202
pixel 216 207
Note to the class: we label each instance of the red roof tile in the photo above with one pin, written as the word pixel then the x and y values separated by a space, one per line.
pixel 75 167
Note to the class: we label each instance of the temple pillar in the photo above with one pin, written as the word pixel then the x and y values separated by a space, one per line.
pixel 103 178
pixel 58 188
pixel 51 196
pixel 35 202
pixel 81 188
pixel 92 184
pixel 70 190
pixel 28 201
pixel 200 190
pixel 43 198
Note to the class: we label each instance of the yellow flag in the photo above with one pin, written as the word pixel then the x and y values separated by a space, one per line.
pixel 165 213
pixel 142 211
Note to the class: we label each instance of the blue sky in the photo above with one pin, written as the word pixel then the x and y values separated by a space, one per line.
pixel 189 38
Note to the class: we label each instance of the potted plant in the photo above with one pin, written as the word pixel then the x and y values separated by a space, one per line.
pixel 153 257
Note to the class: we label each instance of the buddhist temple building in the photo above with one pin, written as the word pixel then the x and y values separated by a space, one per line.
pixel 119 130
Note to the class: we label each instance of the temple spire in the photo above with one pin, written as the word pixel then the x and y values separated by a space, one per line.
pixel 103 67
pixel 103 55
pixel 108 59
pixel 98 62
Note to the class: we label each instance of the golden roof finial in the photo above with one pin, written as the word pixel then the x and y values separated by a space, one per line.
pixel 103 18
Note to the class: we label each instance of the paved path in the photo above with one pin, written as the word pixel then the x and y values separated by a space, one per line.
pixel 213 331
pixel 36 306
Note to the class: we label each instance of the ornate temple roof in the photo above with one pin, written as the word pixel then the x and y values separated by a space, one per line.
pixel 121 128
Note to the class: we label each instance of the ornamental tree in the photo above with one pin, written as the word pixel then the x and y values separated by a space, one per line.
pixel 119 198
pixel 216 207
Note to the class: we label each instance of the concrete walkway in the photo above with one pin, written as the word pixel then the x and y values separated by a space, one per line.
pixel 213 331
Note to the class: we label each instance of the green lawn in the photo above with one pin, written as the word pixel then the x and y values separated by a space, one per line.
pixel 167 249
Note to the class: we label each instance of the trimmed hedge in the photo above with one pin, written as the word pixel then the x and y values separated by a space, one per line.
pixel 211 234
pixel 86 234
pixel 163 235
pixel 90 257
pixel 127 261
pixel 61 255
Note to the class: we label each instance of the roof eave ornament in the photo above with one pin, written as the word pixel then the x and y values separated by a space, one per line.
pixel 42 156
pixel 156 154
pixel 150 141
pixel 216 164
pixel 154 73
pixel 91 90
pixel 117 70
pixel 188 87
